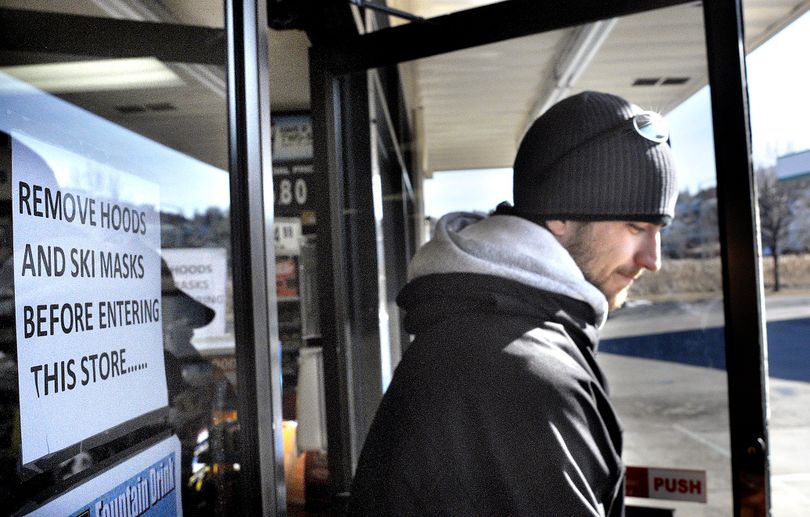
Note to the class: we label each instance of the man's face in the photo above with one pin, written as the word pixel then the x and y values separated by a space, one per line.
pixel 612 254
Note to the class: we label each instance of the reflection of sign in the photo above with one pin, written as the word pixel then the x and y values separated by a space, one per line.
pixel 292 137
pixel 291 188
pixel 145 484
pixel 286 277
pixel 201 273
pixel 287 235
pixel 87 301
pixel 673 484
pixel 292 166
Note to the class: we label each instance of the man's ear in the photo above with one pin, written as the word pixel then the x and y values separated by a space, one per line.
pixel 558 228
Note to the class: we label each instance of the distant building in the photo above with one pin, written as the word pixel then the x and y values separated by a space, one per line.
pixel 794 167
pixel 694 232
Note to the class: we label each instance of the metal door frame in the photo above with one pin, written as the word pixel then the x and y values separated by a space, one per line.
pixel 258 351
pixel 333 59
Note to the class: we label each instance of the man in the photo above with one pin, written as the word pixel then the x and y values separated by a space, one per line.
pixel 498 406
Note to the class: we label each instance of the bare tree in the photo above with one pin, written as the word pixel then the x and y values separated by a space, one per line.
pixel 775 215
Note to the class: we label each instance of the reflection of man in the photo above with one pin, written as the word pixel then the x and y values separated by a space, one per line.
pixel 499 407
pixel 199 392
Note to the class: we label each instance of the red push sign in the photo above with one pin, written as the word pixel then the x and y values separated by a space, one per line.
pixel 673 484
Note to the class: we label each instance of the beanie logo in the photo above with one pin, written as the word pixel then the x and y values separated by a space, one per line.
pixel 652 126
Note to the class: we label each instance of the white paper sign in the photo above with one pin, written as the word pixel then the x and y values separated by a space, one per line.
pixel 201 274
pixel 291 137
pixel 87 284
pixel 145 484
pixel 287 235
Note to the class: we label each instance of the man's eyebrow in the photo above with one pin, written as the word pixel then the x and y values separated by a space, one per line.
pixel 647 225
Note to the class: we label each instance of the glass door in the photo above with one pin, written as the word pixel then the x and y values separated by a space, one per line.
pixel 668 354
pixel 120 384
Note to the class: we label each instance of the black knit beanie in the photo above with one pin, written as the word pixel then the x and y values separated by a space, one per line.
pixel 583 160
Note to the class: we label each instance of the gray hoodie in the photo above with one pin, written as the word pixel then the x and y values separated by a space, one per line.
pixel 508 247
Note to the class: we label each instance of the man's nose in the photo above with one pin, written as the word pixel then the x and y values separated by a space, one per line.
pixel 649 255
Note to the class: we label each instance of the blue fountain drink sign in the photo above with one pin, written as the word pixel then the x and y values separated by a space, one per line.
pixel 145 484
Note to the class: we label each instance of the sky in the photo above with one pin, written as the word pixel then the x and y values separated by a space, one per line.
pixel 779 104
pixel 456 191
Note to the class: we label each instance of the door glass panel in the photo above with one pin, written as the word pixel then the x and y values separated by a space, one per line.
pixel 663 351
pixel 782 165
pixel 115 273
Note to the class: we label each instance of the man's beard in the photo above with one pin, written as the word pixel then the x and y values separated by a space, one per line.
pixel 585 251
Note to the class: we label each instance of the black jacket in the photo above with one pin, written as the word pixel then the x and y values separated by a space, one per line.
pixel 497 408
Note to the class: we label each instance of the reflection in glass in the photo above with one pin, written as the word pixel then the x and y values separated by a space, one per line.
pixel 148 138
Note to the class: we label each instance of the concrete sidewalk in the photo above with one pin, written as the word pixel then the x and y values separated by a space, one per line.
pixel 676 415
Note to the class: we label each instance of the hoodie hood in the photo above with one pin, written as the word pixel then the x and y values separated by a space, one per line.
pixel 508 247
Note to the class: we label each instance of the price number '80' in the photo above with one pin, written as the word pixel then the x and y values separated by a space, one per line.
pixel 288 191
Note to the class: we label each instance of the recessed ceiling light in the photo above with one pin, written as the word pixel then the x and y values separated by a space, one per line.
pixel 98 75
pixel 162 106
pixel 646 81
pixel 130 108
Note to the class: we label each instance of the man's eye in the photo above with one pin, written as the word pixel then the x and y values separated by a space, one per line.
pixel 635 228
